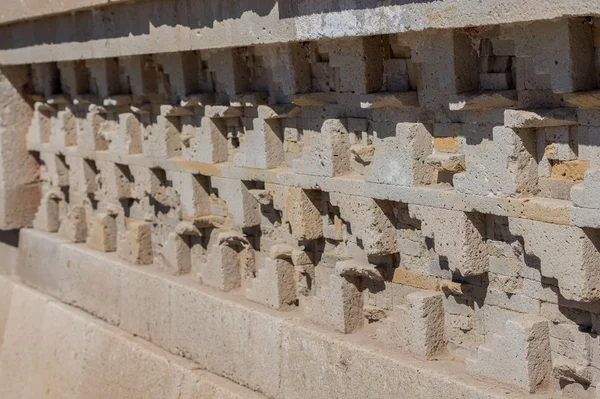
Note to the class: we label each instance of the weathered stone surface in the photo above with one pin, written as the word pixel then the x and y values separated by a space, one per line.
pixel 520 356
pixel 373 169
pixel 56 352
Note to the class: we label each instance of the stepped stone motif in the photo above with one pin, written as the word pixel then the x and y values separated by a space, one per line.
pixel 303 199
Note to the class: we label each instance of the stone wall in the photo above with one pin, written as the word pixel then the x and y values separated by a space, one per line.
pixel 362 215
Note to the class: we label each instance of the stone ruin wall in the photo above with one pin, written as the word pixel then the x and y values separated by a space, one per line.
pixel 390 215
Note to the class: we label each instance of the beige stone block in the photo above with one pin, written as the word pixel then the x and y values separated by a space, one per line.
pixel 574 266
pixel 327 153
pixel 36 267
pixel 47 216
pixel 102 298
pixel 74 226
pixel 370 221
pixel 102 235
pixel 175 255
pixel 416 280
pixel 222 270
pixel 457 236
pixel 418 326
pixel 520 356
pixel 134 244
pixel 143 304
pixel 570 170
pixel 18 205
pixel 400 159
pixel 6 288
pixel 302 213
pixel 447 144
pixel 274 285
pixel 69 354
pixel 233 329
pixel 338 305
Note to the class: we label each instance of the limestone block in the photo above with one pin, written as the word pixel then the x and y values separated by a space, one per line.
pixel 141 73
pixel 400 160
pixel 40 128
pixel 458 237
pixel 584 194
pixel 418 326
pixel 56 330
pixel 19 170
pixel 574 265
pixel 195 195
pixel 561 142
pixel 289 63
pixel 303 215
pixel 326 153
pixel 134 242
pixel 222 270
pixel 263 146
pixel 115 180
pixel 338 305
pixel 149 182
pixel 73 227
pixel 105 75
pixel 560 55
pixel 175 256
pixel 161 136
pixel 127 138
pixel 274 285
pixel 447 162
pixel 206 139
pixel 90 129
pixel 570 170
pixel 82 177
pixel 483 101
pixel 181 70
pixel 47 216
pixel 505 166
pixel 359 62
pixel 588 143
pixel 520 356
pixel 102 235
pixel 539 118
pixel 446 63
pixel 243 207
pixel 370 222
pixel 230 70
pixel 58 170
pixel 63 131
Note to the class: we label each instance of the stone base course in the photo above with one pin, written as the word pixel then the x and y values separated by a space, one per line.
pixel 277 354
pixel 52 350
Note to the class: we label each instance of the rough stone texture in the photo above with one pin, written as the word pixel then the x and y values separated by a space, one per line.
pixel 172 314
pixel 519 357
pixel 297 196
pixel 19 192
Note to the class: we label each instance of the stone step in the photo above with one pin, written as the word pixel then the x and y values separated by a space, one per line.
pixel 52 350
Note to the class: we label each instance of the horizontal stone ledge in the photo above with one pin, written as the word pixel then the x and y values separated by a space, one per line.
pixel 278 354
pixel 159 26
pixel 12 11
pixel 60 351
pixel 542 209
